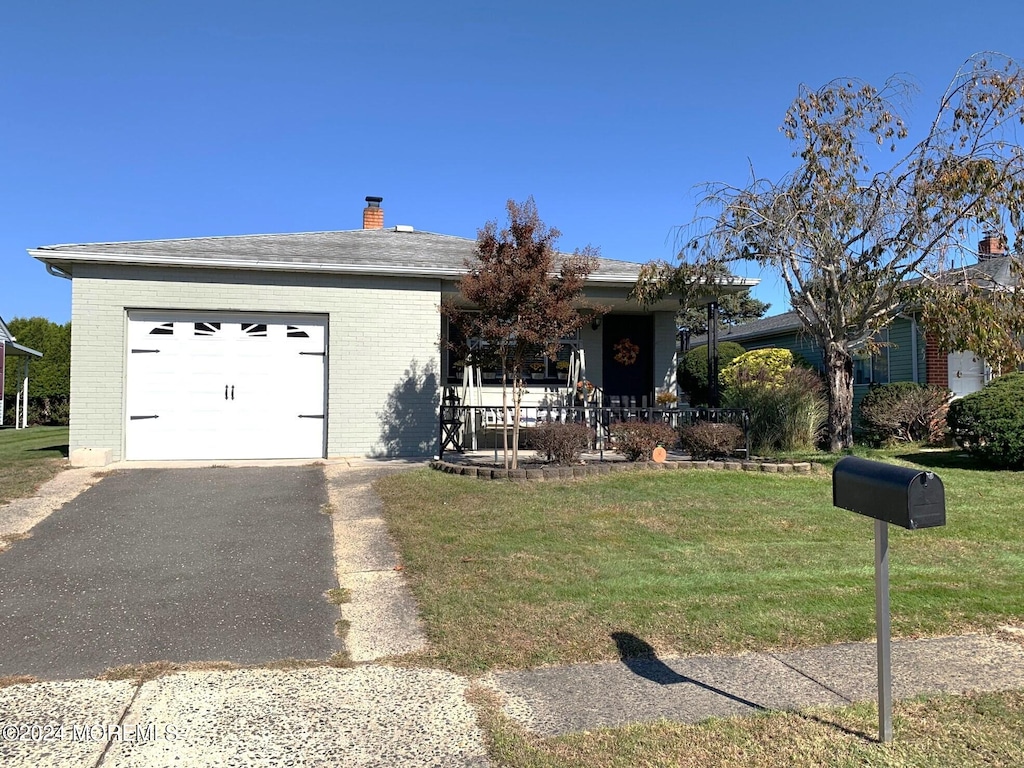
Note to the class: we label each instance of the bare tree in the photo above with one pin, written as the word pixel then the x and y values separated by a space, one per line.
pixel 525 297
pixel 846 237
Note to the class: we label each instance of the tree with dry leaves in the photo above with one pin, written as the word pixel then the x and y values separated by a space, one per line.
pixel 981 308
pixel 523 297
pixel 846 235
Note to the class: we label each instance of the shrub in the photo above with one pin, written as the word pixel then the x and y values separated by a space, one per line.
pixel 904 411
pixel 561 443
pixel 764 367
pixel 693 369
pixel 787 413
pixel 637 439
pixel 48 410
pixel 707 440
pixel 990 424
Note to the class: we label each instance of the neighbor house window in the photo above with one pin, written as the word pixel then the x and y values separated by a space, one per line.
pixel 873 369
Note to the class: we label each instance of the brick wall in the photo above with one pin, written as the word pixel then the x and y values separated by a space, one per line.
pixel 936 364
pixel 382 347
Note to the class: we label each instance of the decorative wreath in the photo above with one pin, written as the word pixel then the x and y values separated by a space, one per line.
pixel 626 351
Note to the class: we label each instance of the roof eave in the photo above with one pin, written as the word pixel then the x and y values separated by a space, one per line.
pixel 22 351
pixel 62 260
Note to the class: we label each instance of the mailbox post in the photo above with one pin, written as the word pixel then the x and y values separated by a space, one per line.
pixel 906 497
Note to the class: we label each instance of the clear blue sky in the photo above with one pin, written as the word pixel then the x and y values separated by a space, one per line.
pixel 128 120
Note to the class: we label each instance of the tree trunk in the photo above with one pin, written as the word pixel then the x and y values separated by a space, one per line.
pixel 839 382
pixel 517 399
pixel 504 414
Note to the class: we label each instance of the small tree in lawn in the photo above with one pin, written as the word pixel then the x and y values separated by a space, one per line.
pixel 846 236
pixel 526 298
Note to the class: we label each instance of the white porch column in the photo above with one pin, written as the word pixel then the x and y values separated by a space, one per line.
pixel 24 394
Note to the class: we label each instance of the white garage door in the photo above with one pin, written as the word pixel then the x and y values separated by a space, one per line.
pixel 218 386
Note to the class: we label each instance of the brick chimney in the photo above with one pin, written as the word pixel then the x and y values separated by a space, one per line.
pixel 373 214
pixel 992 244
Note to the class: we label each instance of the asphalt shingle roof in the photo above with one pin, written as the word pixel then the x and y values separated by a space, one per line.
pixel 370 249
pixel 766 326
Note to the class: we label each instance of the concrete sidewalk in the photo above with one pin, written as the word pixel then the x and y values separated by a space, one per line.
pixel 560 700
pixel 366 716
pixel 379 715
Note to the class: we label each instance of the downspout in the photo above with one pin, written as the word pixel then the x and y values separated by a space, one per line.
pixel 58 272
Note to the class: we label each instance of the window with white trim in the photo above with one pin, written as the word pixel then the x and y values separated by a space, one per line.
pixel 873 368
pixel 541 369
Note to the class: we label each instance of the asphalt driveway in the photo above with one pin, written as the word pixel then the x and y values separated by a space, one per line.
pixel 217 564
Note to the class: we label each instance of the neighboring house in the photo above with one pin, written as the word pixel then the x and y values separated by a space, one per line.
pixel 907 354
pixel 10 349
pixel 304 345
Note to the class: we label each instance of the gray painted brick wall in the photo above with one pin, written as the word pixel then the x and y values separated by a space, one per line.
pixel 383 360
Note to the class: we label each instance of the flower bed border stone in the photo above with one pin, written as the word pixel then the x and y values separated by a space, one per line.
pixel 581 471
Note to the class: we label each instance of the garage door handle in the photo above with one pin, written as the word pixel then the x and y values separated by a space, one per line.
pixel 311 415
pixel 136 418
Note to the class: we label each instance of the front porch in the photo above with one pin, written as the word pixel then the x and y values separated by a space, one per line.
pixel 21 356
pixel 469 429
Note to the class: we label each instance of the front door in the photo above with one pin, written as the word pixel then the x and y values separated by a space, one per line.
pixel 628 356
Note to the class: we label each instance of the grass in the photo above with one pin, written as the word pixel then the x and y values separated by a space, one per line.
pixel 939 731
pixel 522 575
pixel 338 595
pixel 30 457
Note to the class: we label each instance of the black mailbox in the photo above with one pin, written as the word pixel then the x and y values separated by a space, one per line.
pixel 906 497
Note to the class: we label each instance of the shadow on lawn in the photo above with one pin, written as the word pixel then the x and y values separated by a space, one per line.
pixel 640 658
pixel 62 448
pixel 945 460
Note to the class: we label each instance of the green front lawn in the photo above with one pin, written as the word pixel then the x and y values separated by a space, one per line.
pixel 930 732
pixel 30 457
pixel 519 575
